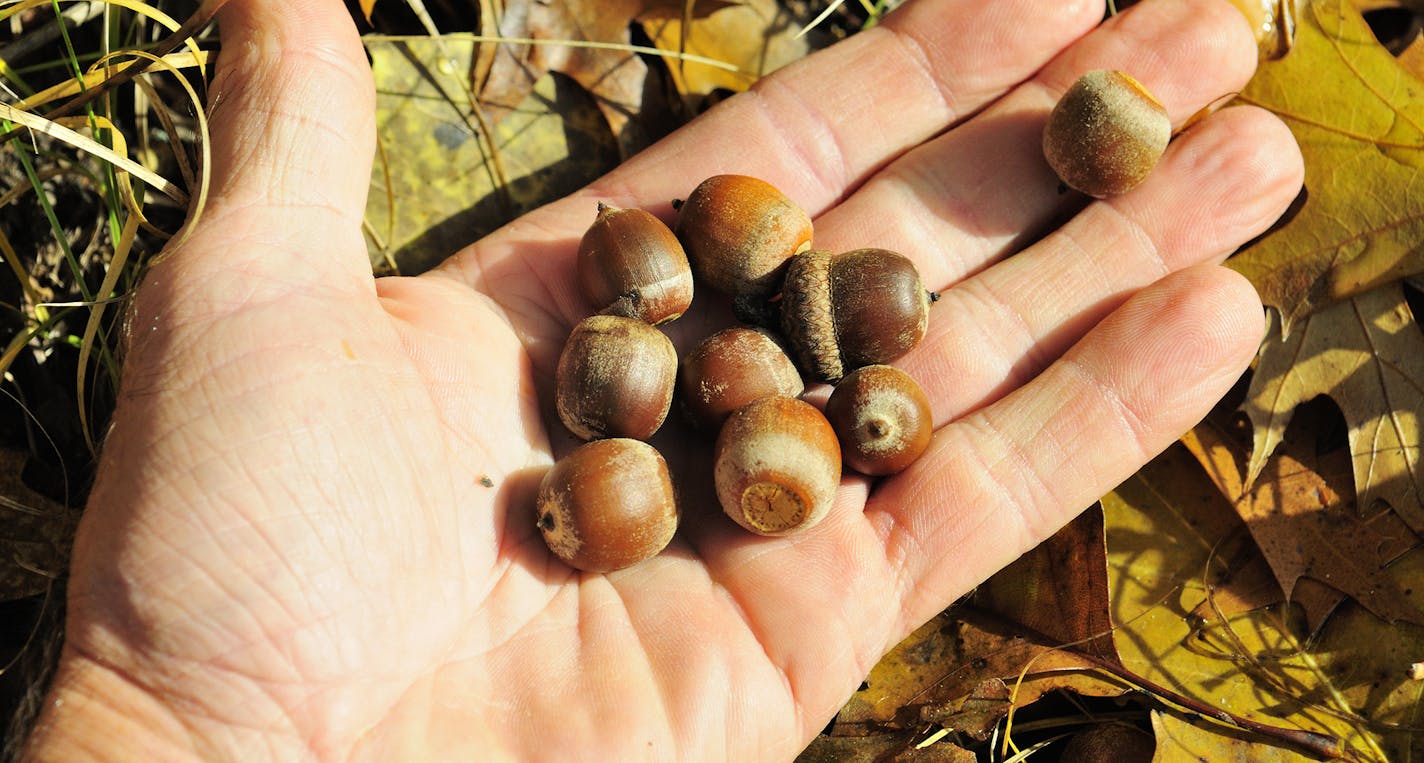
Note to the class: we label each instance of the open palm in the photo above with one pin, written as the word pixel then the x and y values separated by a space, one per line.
pixel 312 534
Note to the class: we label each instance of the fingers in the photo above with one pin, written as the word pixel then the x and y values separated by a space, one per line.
pixel 1219 185
pixel 1000 480
pixel 984 189
pixel 293 134
pixel 819 126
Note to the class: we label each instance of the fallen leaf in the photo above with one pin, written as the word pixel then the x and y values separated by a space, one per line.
pixel 616 78
pixel 1358 116
pixel 1059 589
pixel 1183 740
pixel 1367 355
pixel 1368 661
pixel 1304 520
pixel 937 668
pixel 438 183
pixel 1163 526
pixel 882 748
pixel 756 36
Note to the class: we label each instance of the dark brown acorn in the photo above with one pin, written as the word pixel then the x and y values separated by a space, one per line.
pixel 776 466
pixel 730 369
pixel 608 505
pixel 739 232
pixel 843 311
pixel 615 378
pixel 630 264
pixel 882 419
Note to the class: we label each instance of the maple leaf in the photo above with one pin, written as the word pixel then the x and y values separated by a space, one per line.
pixel 1305 525
pixel 1367 355
pixel 1358 116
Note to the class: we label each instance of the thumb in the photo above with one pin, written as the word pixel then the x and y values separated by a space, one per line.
pixel 292 109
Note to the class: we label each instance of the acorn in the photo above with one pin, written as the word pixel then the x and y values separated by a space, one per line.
pixel 1105 134
pixel 776 466
pixel 882 419
pixel 630 264
pixel 739 232
pixel 731 368
pixel 863 307
pixel 608 505
pixel 615 378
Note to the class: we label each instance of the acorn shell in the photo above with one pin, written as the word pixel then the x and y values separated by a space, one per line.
pixel 777 466
pixel 841 312
pixel 882 419
pixel 608 505
pixel 1105 134
pixel 739 232
pixel 615 378
pixel 630 264
pixel 731 368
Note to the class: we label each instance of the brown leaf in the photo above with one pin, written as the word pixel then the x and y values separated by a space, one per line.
pixel 1060 588
pixel 881 748
pixel 1303 518
pixel 616 78
pixel 756 36
pixel 940 665
pixel 1164 526
pixel 1358 116
pixel 1367 354
pixel 1367 662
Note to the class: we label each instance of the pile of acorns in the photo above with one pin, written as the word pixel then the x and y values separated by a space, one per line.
pixel 777 459
pixel 611 504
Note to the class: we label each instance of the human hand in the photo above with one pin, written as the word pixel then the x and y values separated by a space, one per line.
pixel 288 552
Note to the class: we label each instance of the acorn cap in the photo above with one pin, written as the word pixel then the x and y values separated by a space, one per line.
pixel 806 316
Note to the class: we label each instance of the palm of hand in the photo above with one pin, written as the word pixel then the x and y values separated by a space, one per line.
pixel 290 540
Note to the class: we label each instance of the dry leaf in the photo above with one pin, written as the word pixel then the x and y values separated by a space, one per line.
pixel 934 670
pixel 437 186
pixel 366 6
pixel 616 78
pixel 1180 740
pixel 1367 354
pixel 1059 589
pixel 1367 661
pixel 1359 118
pixel 1303 517
pixel 882 748
pixel 1163 526
pixel 756 36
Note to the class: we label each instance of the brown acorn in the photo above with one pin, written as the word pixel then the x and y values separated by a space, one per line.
pixel 882 419
pixel 730 369
pixel 841 312
pixel 608 505
pixel 1105 134
pixel 739 232
pixel 630 264
pixel 615 378
pixel 777 466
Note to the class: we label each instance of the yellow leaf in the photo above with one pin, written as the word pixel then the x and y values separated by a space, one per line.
pixel 1359 118
pixel 1164 527
pixel 1367 354
pixel 757 36
pixel 366 6
pixel 441 181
